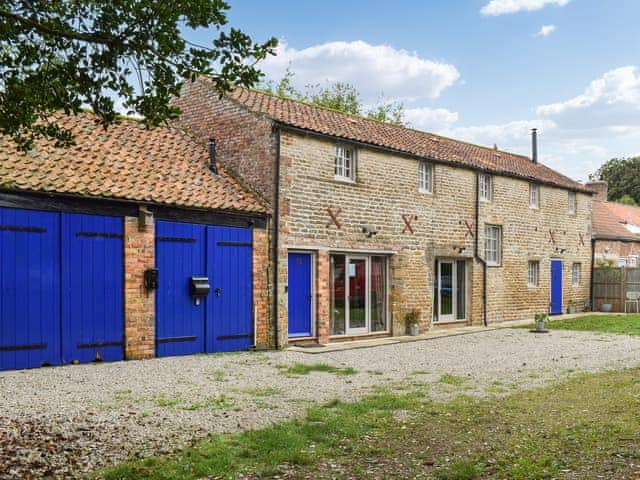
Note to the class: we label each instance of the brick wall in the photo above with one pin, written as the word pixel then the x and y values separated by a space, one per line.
pixel 386 189
pixel 616 250
pixel 264 328
pixel 139 303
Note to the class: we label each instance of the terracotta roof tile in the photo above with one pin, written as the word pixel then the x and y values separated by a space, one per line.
pixel 401 139
pixel 615 220
pixel 127 161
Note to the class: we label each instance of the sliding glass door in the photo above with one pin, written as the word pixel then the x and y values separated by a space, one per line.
pixel 358 294
pixel 451 290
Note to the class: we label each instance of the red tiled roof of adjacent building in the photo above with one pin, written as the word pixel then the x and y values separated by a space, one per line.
pixel 127 161
pixel 401 139
pixel 616 221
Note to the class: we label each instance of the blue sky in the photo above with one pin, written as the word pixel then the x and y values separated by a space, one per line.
pixel 484 71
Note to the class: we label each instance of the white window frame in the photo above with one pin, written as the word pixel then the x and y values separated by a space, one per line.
pixel 485 187
pixel 533 273
pixel 344 165
pixel 493 245
pixel 425 177
pixel 633 261
pixel 534 195
pixel 572 200
pixel 576 274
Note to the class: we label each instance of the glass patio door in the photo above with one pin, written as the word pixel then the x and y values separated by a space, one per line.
pixel 446 282
pixel 357 296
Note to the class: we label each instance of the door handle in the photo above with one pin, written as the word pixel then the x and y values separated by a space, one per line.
pixel 218 292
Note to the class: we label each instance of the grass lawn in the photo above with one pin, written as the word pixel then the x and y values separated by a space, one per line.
pixel 620 324
pixel 584 427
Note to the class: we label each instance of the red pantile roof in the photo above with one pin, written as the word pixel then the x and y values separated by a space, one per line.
pixel 127 161
pixel 614 220
pixel 401 139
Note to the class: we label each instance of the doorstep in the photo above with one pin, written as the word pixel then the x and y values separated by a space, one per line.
pixel 429 335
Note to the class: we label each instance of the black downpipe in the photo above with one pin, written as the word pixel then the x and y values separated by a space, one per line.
pixel 478 258
pixel 276 228
pixel 593 266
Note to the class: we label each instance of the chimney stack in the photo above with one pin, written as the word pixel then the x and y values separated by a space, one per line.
pixel 601 189
pixel 534 145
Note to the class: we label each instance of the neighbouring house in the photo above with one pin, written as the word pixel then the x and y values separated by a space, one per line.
pixel 373 221
pixel 131 243
pixel 616 230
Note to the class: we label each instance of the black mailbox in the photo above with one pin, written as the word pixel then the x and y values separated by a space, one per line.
pixel 199 287
pixel 151 278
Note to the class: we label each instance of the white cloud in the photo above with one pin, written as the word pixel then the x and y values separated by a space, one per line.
pixel 546 30
pixel 612 99
pixel 430 119
pixel 502 7
pixel 373 69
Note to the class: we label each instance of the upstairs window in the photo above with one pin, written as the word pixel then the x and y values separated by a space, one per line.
pixel 576 273
pixel 572 203
pixel 425 177
pixel 534 195
pixel 534 274
pixel 484 187
pixel 493 244
pixel 345 163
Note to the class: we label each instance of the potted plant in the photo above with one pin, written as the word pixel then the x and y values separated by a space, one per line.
pixel 541 318
pixel 412 319
pixel 572 306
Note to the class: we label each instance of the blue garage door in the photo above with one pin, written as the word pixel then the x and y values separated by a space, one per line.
pixel 222 321
pixel 61 291
pixel 29 289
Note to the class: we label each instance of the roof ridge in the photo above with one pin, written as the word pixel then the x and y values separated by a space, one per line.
pixel 380 122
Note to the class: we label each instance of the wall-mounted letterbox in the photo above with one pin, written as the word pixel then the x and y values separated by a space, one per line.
pixel 199 288
pixel 151 279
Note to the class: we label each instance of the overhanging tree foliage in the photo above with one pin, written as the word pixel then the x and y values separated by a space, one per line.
pixel 63 54
pixel 623 177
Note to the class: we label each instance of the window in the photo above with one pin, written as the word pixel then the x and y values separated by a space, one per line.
pixel 633 261
pixel 534 195
pixel 534 274
pixel 484 186
pixel 576 273
pixel 345 163
pixel 425 177
pixel 493 244
pixel 572 202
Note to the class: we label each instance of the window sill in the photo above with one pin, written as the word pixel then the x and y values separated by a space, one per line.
pixel 533 208
pixel 493 265
pixel 532 286
pixel 345 180
pixel 425 192
pixel 484 200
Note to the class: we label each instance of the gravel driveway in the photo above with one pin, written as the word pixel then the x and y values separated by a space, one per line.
pixel 58 422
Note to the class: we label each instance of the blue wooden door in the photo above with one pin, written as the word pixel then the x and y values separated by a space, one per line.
pixel 556 287
pixel 180 255
pixel 29 289
pixel 230 304
pixel 299 292
pixel 92 288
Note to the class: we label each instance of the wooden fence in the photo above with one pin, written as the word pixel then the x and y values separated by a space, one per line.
pixel 610 285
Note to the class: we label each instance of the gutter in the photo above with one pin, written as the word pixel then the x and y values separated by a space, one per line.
pixel 480 259
pixel 276 238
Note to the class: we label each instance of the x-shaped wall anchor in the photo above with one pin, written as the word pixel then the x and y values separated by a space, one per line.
pixel 581 235
pixel 469 229
pixel 334 218
pixel 407 222
pixel 552 237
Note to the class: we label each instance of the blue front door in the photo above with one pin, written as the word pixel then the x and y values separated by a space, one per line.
pixel 556 287
pixel 300 297
pixel 180 255
pixel 230 303
pixel 92 288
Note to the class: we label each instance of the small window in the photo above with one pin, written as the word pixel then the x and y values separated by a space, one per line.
pixel 534 274
pixel 485 187
pixel 425 177
pixel 572 203
pixel 576 274
pixel 633 261
pixel 534 195
pixel 345 163
pixel 493 244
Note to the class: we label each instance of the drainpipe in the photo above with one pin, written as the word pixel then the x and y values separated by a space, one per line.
pixel 478 258
pixel 593 266
pixel 276 228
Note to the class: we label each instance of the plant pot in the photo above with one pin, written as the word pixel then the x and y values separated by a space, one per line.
pixel 540 325
pixel 572 309
pixel 605 307
pixel 414 329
